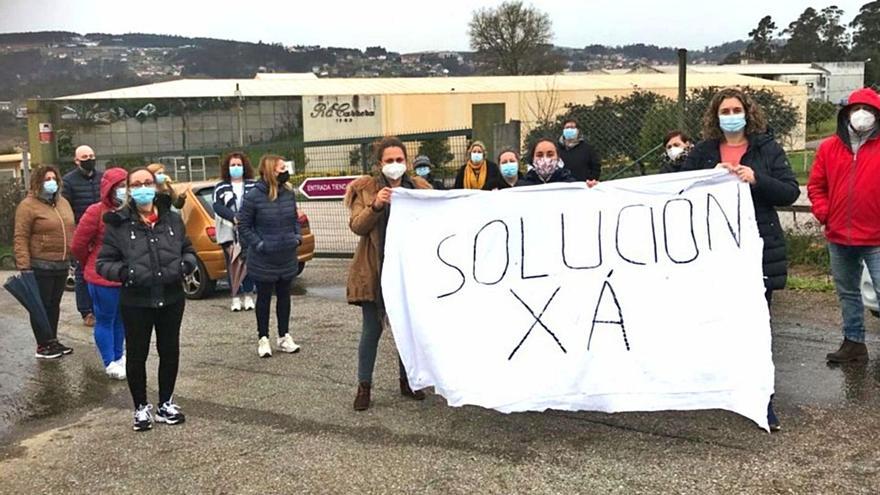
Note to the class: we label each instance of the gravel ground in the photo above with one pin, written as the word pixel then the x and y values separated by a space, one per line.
pixel 285 424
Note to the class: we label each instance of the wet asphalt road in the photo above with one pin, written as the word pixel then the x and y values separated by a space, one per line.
pixel 285 424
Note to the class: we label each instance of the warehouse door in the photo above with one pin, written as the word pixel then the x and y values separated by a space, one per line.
pixel 484 118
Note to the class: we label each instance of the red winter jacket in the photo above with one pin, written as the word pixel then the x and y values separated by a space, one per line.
pixel 89 235
pixel 844 188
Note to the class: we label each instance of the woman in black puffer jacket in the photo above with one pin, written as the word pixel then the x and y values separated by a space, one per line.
pixel 146 249
pixel 268 224
pixel 736 138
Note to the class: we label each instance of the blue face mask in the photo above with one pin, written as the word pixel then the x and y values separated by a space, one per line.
pixel 50 186
pixel 732 123
pixel 476 157
pixel 120 195
pixel 160 178
pixel 569 133
pixel 423 171
pixel 143 195
pixel 236 171
pixel 510 169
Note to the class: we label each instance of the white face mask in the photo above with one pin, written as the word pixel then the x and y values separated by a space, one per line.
pixel 394 171
pixel 862 120
pixel 674 152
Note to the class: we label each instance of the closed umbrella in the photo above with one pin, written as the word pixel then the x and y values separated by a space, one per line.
pixel 24 289
pixel 237 266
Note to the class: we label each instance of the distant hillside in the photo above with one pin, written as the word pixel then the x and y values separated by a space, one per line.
pixel 54 63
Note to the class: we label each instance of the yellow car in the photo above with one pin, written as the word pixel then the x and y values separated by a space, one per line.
pixel 198 214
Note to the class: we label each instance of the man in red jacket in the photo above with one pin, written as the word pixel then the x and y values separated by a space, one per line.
pixel 844 189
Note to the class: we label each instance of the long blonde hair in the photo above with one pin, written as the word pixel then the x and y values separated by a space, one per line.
pixel 269 176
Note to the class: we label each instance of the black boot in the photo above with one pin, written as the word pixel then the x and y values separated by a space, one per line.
pixel 849 352
pixel 408 392
pixel 362 399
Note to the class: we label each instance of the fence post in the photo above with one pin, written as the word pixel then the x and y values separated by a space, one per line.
pixel 26 166
pixel 682 86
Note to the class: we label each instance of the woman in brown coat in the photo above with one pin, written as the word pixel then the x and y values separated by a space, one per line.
pixel 43 234
pixel 369 201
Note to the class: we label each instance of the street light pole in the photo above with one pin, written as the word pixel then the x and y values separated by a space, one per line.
pixel 239 98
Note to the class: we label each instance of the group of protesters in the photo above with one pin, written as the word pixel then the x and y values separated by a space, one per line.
pixel 123 231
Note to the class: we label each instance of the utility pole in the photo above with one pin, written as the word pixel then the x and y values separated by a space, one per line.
pixel 682 86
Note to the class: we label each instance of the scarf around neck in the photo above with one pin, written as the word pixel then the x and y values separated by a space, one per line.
pixel 475 178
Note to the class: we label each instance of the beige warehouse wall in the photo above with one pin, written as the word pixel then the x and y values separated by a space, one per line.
pixel 408 113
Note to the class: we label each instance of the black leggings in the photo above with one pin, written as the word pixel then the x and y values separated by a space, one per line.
pixel 281 288
pixel 139 324
pixel 51 285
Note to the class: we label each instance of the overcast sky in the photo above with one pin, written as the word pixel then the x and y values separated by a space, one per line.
pixel 405 26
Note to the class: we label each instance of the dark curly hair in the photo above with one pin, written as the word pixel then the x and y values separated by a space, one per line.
pixel 38 177
pixel 246 163
pixel 379 147
pixel 756 120
pixel 676 134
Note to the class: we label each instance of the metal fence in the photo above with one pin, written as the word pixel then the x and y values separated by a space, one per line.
pixel 350 156
pixel 354 156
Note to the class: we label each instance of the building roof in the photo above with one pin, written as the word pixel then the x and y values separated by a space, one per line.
pixel 747 69
pixel 274 87
pixel 11 158
pixel 285 76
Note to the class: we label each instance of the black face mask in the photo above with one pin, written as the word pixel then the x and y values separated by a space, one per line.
pixel 87 166
pixel 283 177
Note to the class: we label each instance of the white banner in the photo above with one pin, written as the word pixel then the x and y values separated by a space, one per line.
pixel 638 295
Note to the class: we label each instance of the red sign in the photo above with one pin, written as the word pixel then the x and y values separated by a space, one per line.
pixel 45 132
pixel 325 187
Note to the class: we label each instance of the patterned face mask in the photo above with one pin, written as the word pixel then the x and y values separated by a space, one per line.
pixel 545 166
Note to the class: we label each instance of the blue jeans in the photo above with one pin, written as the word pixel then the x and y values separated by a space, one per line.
pixel 83 298
pixel 369 344
pixel 109 331
pixel 846 267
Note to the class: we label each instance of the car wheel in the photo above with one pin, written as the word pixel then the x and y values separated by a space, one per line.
pixel 197 285
pixel 300 268
pixel 876 314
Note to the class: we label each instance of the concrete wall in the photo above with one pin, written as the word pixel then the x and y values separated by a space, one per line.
pixel 841 85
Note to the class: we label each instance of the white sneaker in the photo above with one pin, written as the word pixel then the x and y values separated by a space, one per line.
pixel 264 350
pixel 121 361
pixel 236 304
pixel 249 304
pixel 286 344
pixel 115 371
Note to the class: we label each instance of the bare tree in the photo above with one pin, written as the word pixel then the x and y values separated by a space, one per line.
pixel 513 39
pixel 544 107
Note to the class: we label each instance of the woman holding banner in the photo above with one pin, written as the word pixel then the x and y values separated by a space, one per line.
pixel 736 138
pixel 369 202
